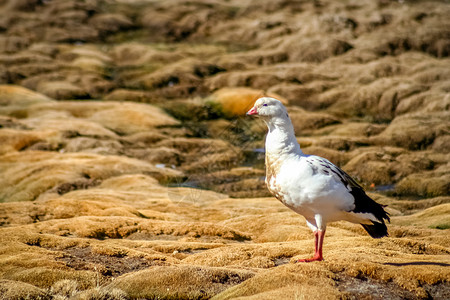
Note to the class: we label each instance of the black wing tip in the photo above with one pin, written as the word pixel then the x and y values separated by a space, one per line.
pixel 386 216
pixel 365 204
pixel 383 214
pixel 376 230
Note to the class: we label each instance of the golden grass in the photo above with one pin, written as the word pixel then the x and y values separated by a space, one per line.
pixel 30 174
pixel 434 217
pixel 211 246
pixel 16 290
pixel 14 140
pixel 11 95
pixel 73 221
pixel 85 211
pixel 174 282
pixel 237 101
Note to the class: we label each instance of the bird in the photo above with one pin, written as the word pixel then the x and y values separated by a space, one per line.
pixel 310 185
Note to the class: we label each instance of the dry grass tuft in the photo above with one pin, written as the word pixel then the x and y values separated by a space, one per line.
pixel 233 102
pixel 286 281
pixel 12 95
pixel 15 290
pixel 180 282
pixel 427 184
pixel 162 199
pixel 33 173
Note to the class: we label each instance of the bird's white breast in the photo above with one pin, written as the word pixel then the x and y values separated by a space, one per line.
pixel 306 191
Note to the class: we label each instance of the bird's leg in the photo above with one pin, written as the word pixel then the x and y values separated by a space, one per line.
pixel 318 253
pixel 318 243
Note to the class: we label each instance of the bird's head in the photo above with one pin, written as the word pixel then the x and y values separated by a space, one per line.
pixel 268 108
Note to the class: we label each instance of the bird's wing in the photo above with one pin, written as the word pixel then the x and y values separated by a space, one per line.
pixel 362 202
pixel 326 167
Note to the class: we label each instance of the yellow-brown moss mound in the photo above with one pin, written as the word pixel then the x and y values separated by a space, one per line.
pixel 103 198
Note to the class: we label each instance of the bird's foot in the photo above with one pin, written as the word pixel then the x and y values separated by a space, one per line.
pixel 314 258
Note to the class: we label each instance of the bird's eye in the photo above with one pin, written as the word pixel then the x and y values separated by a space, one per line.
pixel 265 104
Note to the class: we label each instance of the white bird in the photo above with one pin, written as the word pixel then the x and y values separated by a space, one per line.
pixel 311 185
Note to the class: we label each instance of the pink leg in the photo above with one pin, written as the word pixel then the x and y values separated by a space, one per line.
pixel 318 243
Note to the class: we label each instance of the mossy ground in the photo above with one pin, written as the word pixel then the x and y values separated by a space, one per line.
pixel 106 198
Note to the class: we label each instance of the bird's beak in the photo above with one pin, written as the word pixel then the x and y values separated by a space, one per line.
pixel 252 111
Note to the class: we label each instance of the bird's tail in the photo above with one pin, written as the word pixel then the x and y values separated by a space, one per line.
pixel 364 204
pixel 376 230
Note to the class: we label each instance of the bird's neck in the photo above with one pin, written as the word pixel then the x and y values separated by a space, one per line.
pixel 280 141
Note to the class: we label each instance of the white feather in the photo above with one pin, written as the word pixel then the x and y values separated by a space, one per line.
pixel 310 185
